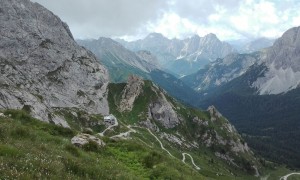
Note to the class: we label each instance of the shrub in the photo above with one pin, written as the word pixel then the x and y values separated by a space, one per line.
pixel 91 146
pixel 8 151
pixel 151 159
pixel 62 131
pixel 27 108
pixel 20 132
pixel 2 133
pixel 74 167
pixel 81 169
pixel 20 115
pixel 72 149
pixel 88 131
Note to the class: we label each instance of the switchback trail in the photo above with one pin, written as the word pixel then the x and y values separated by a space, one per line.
pixel 183 160
pixel 286 176
pixel 183 154
pixel 161 145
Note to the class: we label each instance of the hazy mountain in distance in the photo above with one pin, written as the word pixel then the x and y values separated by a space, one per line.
pixel 182 57
pixel 221 71
pixel 257 45
pixel 249 46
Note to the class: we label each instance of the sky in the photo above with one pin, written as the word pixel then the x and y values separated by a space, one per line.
pixel 134 19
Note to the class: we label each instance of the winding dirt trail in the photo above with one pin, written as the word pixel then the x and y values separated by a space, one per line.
pixel 161 145
pixel 183 160
pixel 126 134
pixel 183 154
pixel 288 175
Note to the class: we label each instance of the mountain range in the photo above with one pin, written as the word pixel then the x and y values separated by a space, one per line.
pixel 182 57
pixel 259 93
pixel 66 111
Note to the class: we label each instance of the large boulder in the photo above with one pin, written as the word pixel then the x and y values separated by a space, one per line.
pixel 82 139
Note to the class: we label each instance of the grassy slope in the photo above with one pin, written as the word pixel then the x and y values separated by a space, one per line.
pixel 31 149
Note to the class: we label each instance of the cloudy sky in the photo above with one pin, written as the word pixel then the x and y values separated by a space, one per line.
pixel 134 19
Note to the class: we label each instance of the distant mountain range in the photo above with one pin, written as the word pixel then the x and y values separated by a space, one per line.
pixel 182 57
pixel 259 93
pixel 279 64
pixel 221 71
pixel 250 46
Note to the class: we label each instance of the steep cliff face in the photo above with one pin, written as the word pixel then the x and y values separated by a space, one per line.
pixel 42 67
pixel 283 65
pixel 131 91
pixel 162 111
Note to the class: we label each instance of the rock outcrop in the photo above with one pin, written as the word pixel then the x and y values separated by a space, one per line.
pixel 131 91
pixel 214 112
pixel 42 67
pixel 162 111
pixel 82 139
pixel 232 140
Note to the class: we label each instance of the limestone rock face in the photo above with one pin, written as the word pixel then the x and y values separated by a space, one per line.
pixel 283 68
pixel 82 139
pixel 131 91
pixel 162 110
pixel 42 67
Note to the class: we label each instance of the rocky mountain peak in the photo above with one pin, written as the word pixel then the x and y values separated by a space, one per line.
pixel 155 35
pixel 283 65
pixel 286 50
pixel 42 67
pixel 211 36
pixel 213 111
pixel 131 91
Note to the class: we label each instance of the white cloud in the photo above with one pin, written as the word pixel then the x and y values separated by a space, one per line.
pixel 228 19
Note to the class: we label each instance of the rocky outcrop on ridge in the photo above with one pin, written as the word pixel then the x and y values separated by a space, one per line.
pixel 162 111
pixel 131 91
